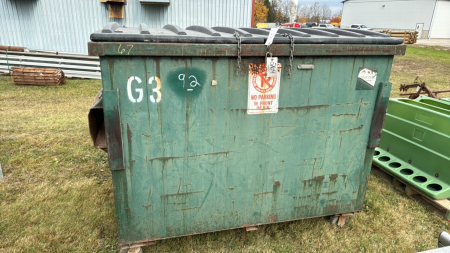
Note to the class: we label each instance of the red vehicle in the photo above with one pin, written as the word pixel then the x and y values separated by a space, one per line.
pixel 293 25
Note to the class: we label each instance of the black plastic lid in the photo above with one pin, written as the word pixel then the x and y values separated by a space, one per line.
pixel 113 32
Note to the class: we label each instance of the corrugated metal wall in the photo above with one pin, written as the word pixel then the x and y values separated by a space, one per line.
pixel 388 14
pixel 65 25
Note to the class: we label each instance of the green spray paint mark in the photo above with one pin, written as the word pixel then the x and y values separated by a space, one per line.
pixel 187 80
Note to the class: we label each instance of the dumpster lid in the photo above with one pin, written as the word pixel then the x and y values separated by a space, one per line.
pixel 113 32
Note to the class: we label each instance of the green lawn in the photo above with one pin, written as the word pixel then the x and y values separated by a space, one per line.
pixel 56 195
pixel 431 65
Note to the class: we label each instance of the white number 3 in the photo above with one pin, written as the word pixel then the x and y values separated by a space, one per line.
pixel 156 90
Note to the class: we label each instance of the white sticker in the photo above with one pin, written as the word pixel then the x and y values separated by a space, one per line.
pixel 369 76
pixel 262 90
pixel 418 88
pixel 272 66
pixel 272 33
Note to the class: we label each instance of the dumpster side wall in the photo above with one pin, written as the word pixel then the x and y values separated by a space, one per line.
pixel 194 161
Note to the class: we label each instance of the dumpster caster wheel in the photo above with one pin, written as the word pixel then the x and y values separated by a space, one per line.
pixel 131 250
pixel 334 219
pixel 340 221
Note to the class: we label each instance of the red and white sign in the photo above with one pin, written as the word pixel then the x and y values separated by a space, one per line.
pixel 262 90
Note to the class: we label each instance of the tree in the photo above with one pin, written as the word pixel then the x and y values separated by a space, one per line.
pixel 303 14
pixel 338 14
pixel 270 13
pixel 281 9
pixel 314 13
pixel 335 20
pixel 302 20
pixel 325 13
pixel 261 12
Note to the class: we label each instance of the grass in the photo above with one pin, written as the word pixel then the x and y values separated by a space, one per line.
pixel 430 64
pixel 56 195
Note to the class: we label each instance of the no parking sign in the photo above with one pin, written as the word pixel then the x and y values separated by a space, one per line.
pixel 262 90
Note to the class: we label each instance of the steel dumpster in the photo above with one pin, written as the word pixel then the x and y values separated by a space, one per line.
pixel 200 138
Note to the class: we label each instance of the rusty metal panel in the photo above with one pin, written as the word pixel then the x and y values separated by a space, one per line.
pixel 113 129
pixel 217 50
pixel 384 89
pixel 195 161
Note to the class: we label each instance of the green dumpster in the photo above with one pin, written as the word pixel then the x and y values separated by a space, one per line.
pixel 415 144
pixel 209 129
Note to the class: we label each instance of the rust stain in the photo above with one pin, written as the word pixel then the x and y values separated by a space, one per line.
pixel 345 114
pixel 181 203
pixel 359 111
pixel 303 107
pixel 115 152
pixel 331 208
pixel 180 193
pixel 327 193
pixel 282 126
pixel 360 103
pixel 377 122
pixel 277 183
pixel 257 68
pixel 185 209
pixel 318 178
pixel 166 158
pixel 333 176
pixel 262 193
pixel 178 157
pixel 351 129
pixel 129 133
pixel 273 218
pixel 300 206
pixel 318 132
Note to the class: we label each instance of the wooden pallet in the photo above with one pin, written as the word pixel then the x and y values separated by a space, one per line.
pixel 409 37
pixel 440 207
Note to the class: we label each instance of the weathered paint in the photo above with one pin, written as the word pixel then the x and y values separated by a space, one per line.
pixel 218 50
pixel 113 129
pixel 384 89
pixel 196 161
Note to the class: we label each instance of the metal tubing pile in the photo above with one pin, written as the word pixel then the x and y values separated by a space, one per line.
pixel 409 37
pixel 38 76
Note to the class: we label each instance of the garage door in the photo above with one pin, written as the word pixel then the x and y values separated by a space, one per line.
pixel 440 27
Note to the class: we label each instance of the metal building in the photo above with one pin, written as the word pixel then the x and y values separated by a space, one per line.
pixel 431 18
pixel 65 26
